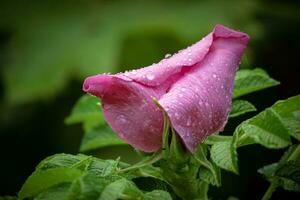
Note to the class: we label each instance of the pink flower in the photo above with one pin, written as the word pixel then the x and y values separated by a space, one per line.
pixel 194 87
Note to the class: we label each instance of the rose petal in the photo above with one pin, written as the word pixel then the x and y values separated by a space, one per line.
pixel 198 104
pixel 129 110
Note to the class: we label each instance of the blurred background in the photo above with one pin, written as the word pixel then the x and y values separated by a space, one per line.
pixel 48 47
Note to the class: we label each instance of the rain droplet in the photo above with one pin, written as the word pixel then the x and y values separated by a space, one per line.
pixel 121 119
pixel 189 121
pixel 183 89
pixel 215 75
pixel 150 77
pixel 168 55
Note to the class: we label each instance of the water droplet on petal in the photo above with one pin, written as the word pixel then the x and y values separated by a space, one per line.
pixel 168 55
pixel 189 121
pixel 183 89
pixel 121 119
pixel 150 77
pixel 215 75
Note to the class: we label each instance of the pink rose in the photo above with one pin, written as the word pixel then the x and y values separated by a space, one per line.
pixel 194 87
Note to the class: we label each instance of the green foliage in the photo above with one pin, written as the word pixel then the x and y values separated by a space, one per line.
pixel 8 198
pixel 86 111
pixel 248 81
pixel 40 181
pixel 97 133
pixel 98 137
pixel 267 128
pixel 223 153
pixel 208 171
pixel 240 107
pixel 285 173
pixel 71 177
pixel 273 127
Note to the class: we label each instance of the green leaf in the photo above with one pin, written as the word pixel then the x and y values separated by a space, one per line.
pixel 248 81
pixel 286 172
pixel 63 160
pixel 225 156
pixel 8 198
pixel 90 186
pixel 87 111
pixel 103 167
pixel 208 171
pixel 148 184
pixel 98 137
pixel 149 171
pixel 268 170
pixel 240 107
pixel 39 181
pixel 210 140
pixel 289 184
pixel 58 192
pixel 272 127
pixel 289 112
pixel 158 194
pixel 290 170
pixel 213 178
pixel 121 189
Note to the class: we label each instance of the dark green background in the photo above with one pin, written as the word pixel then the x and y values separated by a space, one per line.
pixel 48 47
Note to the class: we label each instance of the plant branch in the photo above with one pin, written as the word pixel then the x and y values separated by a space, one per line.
pixel 270 190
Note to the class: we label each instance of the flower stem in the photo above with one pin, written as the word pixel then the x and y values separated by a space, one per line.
pixel 147 161
pixel 270 190
pixel 295 155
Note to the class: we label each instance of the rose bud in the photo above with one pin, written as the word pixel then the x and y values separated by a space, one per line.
pixel 193 86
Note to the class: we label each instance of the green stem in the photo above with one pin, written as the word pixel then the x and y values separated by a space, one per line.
pixel 203 191
pixel 270 190
pixel 296 154
pixel 148 161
